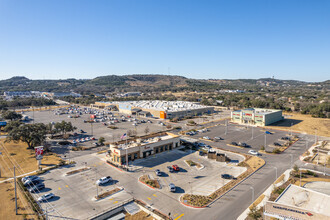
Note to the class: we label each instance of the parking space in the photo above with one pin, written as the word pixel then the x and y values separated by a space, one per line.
pixel 189 179
pixel 98 129
pixel 254 137
pixel 74 194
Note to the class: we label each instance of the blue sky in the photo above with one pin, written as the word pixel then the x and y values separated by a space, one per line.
pixel 51 39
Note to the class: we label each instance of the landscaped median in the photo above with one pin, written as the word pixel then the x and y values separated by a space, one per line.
pixel 152 183
pixel 194 164
pixel 108 193
pixel 252 163
pixel 77 171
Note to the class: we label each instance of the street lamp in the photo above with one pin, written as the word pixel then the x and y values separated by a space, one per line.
pixel 252 132
pixel 252 194
pixel 291 159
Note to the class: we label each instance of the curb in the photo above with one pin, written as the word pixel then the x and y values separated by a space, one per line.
pixel 237 184
pixel 190 206
pixel 114 166
pixel 146 184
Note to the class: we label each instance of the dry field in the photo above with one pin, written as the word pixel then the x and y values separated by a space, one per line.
pixel 304 123
pixel 17 154
pixel 7 207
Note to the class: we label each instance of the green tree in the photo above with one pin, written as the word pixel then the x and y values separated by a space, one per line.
pixel 31 134
pixel 101 140
pixel 64 127
pixel 12 125
pixel 11 115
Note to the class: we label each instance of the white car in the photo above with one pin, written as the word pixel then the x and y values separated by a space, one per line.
pixel 46 197
pixel 253 152
pixel 103 180
pixel 207 138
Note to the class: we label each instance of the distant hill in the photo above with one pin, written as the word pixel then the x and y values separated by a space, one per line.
pixel 142 83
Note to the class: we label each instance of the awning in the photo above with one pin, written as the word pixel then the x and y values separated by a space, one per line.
pixel 136 110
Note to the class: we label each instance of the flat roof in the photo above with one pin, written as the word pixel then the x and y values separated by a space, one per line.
pixel 166 106
pixel 259 111
pixel 307 199
pixel 143 142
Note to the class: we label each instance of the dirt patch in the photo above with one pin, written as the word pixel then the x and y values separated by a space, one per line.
pixel 257 201
pixel 138 216
pixel 77 171
pixel 108 193
pixel 150 182
pixel 304 123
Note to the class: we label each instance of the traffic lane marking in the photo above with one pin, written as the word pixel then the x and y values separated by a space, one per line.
pixel 154 195
pixel 179 216
pixel 148 198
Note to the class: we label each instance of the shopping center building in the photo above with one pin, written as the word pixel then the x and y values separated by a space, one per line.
pixel 158 109
pixel 256 116
pixel 142 147
pixel 299 203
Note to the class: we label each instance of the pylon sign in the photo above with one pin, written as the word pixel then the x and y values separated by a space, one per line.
pixel 39 151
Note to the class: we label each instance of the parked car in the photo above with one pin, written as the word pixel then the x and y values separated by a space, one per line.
pixel 172 187
pixel 82 131
pixel 234 143
pixel 158 173
pixel 277 144
pixel 31 182
pixel 36 187
pixel 218 138
pixel 285 138
pixel 175 168
pixel 170 169
pixel 268 132
pixel 243 144
pixel 103 180
pixel 226 176
pixel 206 138
pixel 253 152
pixel 24 179
pixel 46 197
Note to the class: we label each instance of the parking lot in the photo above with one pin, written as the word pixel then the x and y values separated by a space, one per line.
pixel 189 179
pixel 98 129
pixel 254 137
pixel 74 194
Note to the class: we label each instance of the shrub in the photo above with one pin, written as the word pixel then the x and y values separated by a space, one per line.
pixel 262 148
pixel 276 151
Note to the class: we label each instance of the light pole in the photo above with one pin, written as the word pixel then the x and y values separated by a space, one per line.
pixel 226 127
pixel 291 128
pixel 291 160
pixel 265 141
pixel 315 135
pixel 276 172
pixel 252 194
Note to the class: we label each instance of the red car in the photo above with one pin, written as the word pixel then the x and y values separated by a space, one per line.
pixel 175 167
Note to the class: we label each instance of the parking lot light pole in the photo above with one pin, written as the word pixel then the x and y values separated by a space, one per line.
pixel 252 194
pixel 291 160
pixel 252 132
pixel 265 140
pixel 226 127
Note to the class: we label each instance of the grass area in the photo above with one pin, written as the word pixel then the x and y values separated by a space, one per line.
pixel 108 193
pixel 141 215
pixel 252 163
pixel 7 207
pixel 311 179
pixel 24 159
pixel 257 201
pixel 304 123
pixel 153 183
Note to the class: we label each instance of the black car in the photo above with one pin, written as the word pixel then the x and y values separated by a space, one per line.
pixel 226 176
pixel 285 138
pixel 170 169
pixel 234 143
pixel 277 144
